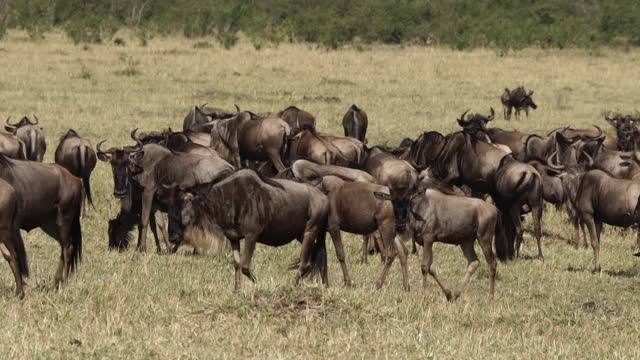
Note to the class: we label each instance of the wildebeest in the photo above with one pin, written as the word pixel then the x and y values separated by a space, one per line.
pixel 355 123
pixel 199 120
pixel 486 169
pixel 31 135
pixel 457 220
pixel 298 119
pixel 52 203
pixel 245 137
pixel 259 210
pixel 12 245
pixel 552 189
pixel 326 149
pixel 603 199
pixel 308 171
pixel 519 99
pixel 363 208
pixel 139 173
pixel 627 136
pixel 76 154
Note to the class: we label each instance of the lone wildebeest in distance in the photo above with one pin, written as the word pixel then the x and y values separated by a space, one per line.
pixel 31 135
pixel 519 99
pixel 247 206
pixel 76 154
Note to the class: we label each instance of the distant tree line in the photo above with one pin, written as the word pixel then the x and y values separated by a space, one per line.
pixel 459 24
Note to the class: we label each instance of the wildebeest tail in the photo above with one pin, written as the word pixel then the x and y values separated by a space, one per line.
pixel 505 236
pixel 31 150
pixel 18 244
pixel 319 252
pixel 120 228
pixel 82 156
pixel 636 212
pixel 76 241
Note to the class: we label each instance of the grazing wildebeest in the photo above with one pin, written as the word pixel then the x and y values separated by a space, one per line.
pixel 12 245
pixel 260 210
pixel 247 137
pixel 355 123
pixel 519 99
pixel 138 174
pixel 603 199
pixel 76 154
pixel 363 208
pixel 486 169
pixel 298 119
pixel 199 120
pixel 52 203
pixel 439 216
pixel 13 147
pixel 31 135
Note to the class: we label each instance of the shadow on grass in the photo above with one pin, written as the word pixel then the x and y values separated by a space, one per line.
pixel 614 273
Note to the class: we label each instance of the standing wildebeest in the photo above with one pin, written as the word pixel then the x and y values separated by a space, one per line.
pixel 298 119
pixel 31 135
pixel 326 149
pixel 552 189
pixel 362 208
pixel 486 169
pixel 12 245
pixel 151 166
pixel 457 220
pixel 199 120
pixel 260 210
pixel 627 136
pixel 76 155
pixel 517 98
pixel 53 203
pixel 245 137
pixel 604 199
pixel 355 123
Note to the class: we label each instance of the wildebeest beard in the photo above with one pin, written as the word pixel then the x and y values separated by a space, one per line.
pixel 401 213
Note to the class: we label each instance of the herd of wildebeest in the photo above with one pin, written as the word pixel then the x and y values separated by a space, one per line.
pixel 274 178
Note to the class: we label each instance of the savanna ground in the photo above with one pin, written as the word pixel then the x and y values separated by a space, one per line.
pixel 132 305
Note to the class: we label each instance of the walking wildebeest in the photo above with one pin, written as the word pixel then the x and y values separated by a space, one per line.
pixel 139 172
pixel 355 123
pixel 439 216
pixel 519 99
pixel 603 199
pixel 363 208
pixel 31 135
pixel 12 245
pixel 76 154
pixel 52 203
pixel 245 137
pixel 298 119
pixel 260 210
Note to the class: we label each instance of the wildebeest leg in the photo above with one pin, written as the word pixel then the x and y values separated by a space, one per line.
pixel 402 254
pixel 595 243
pixel 52 229
pixel 584 235
pixel 154 231
pixel 310 234
pixel 536 213
pixel 235 250
pixel 472 266
pixel 163 230
pixel 147 202
pixel 414 249
pixel 388 256
pixel 636 252
pixel 275 159
pixel 484 240
pixel 247 255
pixel 9 254
pixel 365 249
pixel 337 242
pixel 509 112
pixel 515 217
pixel 427 259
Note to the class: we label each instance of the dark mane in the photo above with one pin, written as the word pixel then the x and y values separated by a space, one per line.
pixel 449 150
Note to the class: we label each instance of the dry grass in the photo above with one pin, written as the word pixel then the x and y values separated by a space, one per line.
pixel 143 306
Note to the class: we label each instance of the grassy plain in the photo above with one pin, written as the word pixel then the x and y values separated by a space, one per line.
pixel 149 306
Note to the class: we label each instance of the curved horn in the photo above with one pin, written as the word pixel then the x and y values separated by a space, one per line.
pixel 597 137
pixel 492 116
pixel 461 121
pixel 607 116
pixel 37 121
pixel 108 151
pixel 139 145
pixel 551 164
pixel 590 159
pixel 170 186
pixel 237 108
pixel 8 123
pixel 570 139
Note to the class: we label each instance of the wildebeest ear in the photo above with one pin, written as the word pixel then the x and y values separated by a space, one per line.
pixel 530 92
pixel 625 157
pixel 138 156
pixel 418 193
pixel 625 164
pixel 381 195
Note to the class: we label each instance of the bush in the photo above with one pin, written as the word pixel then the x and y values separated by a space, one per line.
pixel 33 16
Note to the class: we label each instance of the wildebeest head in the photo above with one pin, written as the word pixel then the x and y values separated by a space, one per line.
pixel 521 98
pixel 182 213
pixel 566 147
pixel 475 121
pixel 626 130
pixel 121 165
pixel 25 121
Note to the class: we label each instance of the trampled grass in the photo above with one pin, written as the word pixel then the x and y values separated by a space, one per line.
pixel 182 306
